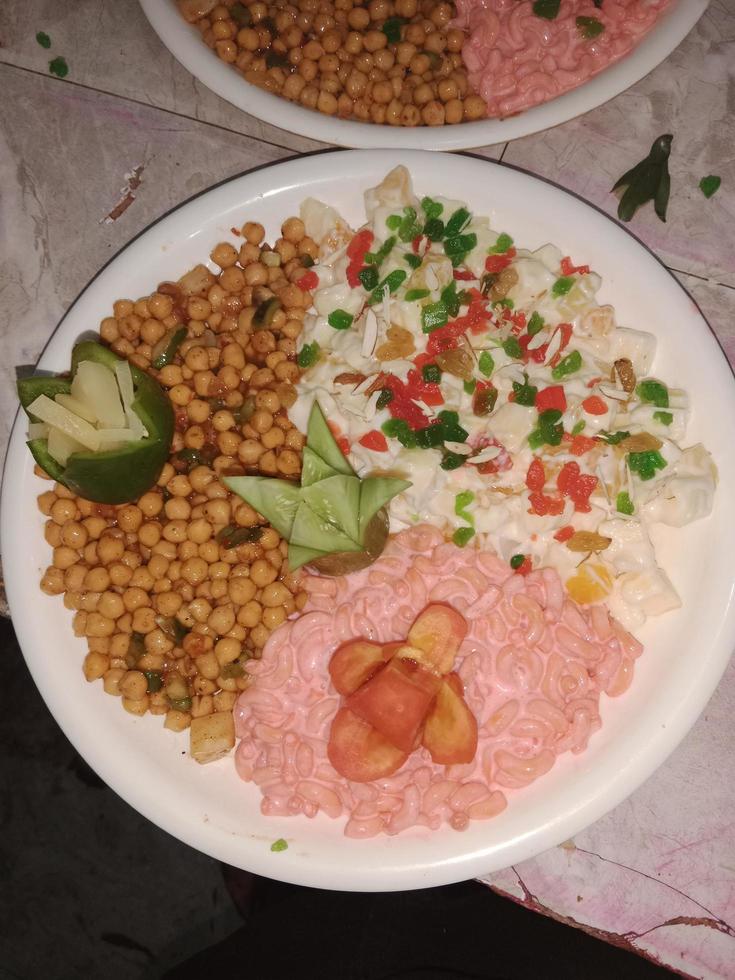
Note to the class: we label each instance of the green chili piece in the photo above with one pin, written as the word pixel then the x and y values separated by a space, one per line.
pixel 232 536
pixel 579 427
pixel 567 365
pixel 393 280
pixel 43 39
pixel 165 350
pixel 265 312
pixel 155 683
pixel 710 185
pixel 613 438
pixel 232 671
pixel 307 262
pixel 548 9
pixel 180 704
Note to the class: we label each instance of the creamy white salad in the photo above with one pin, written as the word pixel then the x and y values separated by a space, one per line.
pixel 488 375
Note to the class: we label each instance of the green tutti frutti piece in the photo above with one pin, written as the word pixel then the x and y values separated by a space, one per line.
pixel 332 512
pixel 113 476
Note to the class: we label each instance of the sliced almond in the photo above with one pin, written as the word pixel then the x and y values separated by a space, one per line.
pixel 485 455
pixel 370 334
pixel 588 541
pixel 461 448
pixel 640 442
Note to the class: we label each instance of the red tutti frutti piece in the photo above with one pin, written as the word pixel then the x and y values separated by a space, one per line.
pixel 438 633
pixel 450 731
pixel 356 662
pixel 395 701
pixel 360 753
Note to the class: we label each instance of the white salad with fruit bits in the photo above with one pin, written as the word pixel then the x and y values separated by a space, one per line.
pixel 524 416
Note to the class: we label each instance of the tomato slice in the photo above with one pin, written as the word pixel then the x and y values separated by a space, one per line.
pixel 450 732
pixel 356 662
pixel 395 701
pixel 438 633
pixel 358 752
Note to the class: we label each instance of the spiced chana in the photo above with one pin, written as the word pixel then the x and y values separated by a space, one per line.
pixel 394 62
pixel 176 590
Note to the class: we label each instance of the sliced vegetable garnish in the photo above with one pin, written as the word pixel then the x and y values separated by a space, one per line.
pixel 332 512
pixel 166 349
pixel 116 448
pixel 649 180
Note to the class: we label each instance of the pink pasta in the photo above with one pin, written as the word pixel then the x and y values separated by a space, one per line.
pixel 533 665
pixel 516 59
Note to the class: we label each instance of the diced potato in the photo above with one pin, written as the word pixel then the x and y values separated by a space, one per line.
pixel 95 385
pixel 47 410
pixel 212 736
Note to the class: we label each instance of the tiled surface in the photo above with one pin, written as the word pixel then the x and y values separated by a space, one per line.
pixel 657 874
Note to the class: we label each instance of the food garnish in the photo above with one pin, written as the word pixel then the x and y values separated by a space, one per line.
pixel 398 696
pixel 649 180
pixel 58 67
pixel 43 39
pixel 334 520
pixel 104 431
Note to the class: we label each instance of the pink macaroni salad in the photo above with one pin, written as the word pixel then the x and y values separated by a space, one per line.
pixel 534 665
pixel 517 59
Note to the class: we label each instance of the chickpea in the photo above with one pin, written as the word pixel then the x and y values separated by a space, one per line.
pixel 454 111
pixel 474 107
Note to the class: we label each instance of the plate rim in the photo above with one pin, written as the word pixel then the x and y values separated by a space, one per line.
pixel 432 873
pixel 186 47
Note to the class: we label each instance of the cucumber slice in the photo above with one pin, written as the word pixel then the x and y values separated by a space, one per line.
pixel 276 500
pixel 313 468
pixel 321 440
pixel 310 530
pixel 337 500
pixel 298 556
pixel 375 492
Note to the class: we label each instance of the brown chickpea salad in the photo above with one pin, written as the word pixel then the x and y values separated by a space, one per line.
pixel 176 590
pixel 394 62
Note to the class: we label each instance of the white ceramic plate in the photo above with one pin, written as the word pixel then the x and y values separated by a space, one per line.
pixel 185 44
pixel 686 651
